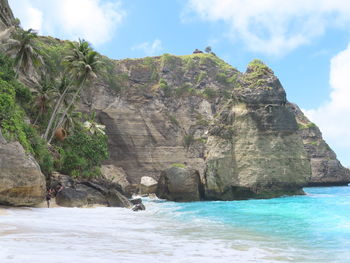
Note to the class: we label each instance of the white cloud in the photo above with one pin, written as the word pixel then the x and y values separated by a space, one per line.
pixel 93 20
pixel 150 49
pixel 333 117
pixel 272 26
pixel 35 18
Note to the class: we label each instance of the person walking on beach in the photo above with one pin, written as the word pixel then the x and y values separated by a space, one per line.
pixel 48 197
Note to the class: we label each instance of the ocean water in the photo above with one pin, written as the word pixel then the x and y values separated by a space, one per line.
pixel 310 228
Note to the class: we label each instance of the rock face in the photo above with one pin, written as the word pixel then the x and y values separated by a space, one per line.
pixel 148 185
pixel 234 128
pixel 117 176
pixel 180 185
pixel 254 150
pixel 6 16
pixel 87 193
pixel 326 169
pixel 69 197
pixel 21 181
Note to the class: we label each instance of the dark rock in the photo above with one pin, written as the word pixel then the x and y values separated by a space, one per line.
pixel 82 193
pixel 180 184
pixel 112 196
pixel 94 196
pixel 136 201
pixel 138 207
pixel 57 180
pixel 69 197
pixel 116 199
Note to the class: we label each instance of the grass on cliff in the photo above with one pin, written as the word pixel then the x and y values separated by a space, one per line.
pixel 179 165
pixel 303 126
pixel 257 75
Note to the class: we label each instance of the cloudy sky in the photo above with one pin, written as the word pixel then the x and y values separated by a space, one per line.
pixel 306 42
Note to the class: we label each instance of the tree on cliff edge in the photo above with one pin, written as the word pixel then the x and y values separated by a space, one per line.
pixel 21 46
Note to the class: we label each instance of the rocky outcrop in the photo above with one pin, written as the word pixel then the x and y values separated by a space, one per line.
pixel 234 129
pixel 147 185
pixel 6 16
pixel 148 129
pixel 112 196
pixel 69 197
pixel 326 169
pixel 117 175
pixel 254 150
pixel 180 185
pixel 87 193
pixel 21 181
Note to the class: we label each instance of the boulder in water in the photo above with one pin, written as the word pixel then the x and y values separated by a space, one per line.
pixel 180 184
pixel 138 207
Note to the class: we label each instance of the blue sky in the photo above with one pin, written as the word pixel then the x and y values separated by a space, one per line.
pixel 305 42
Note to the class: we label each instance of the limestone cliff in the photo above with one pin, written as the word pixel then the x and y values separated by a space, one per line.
pixel 6 16
pixel 326 169
pixel 234 128
pixel 237 129
pixel 159 112
pixel 254 150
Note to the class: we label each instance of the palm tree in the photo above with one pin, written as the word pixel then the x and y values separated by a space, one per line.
pixel 64 87
pixel 45 93
pixel 82 65
pixel 22 47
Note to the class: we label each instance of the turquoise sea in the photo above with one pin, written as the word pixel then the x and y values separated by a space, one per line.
pixel 310 228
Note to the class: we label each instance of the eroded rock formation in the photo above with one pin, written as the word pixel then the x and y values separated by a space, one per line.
pixel 196 110
pixel 21 181
pixel 6 16
pixel 326 169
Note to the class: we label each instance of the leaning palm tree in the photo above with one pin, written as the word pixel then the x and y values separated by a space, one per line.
pixel 21 46
pixel 64 87
pixel 82 65
pixel 45 93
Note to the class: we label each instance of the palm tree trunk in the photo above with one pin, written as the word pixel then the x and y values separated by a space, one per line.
pixel 54 113
pixel 18 66
pixel 59 123
pixel 37 118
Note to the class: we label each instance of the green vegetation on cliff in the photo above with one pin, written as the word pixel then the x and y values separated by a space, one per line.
pixel 49 105
pixel 14 97
pixel 257 75
pixel 82 153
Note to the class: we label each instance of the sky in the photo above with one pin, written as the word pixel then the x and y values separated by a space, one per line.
pixel 305 42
